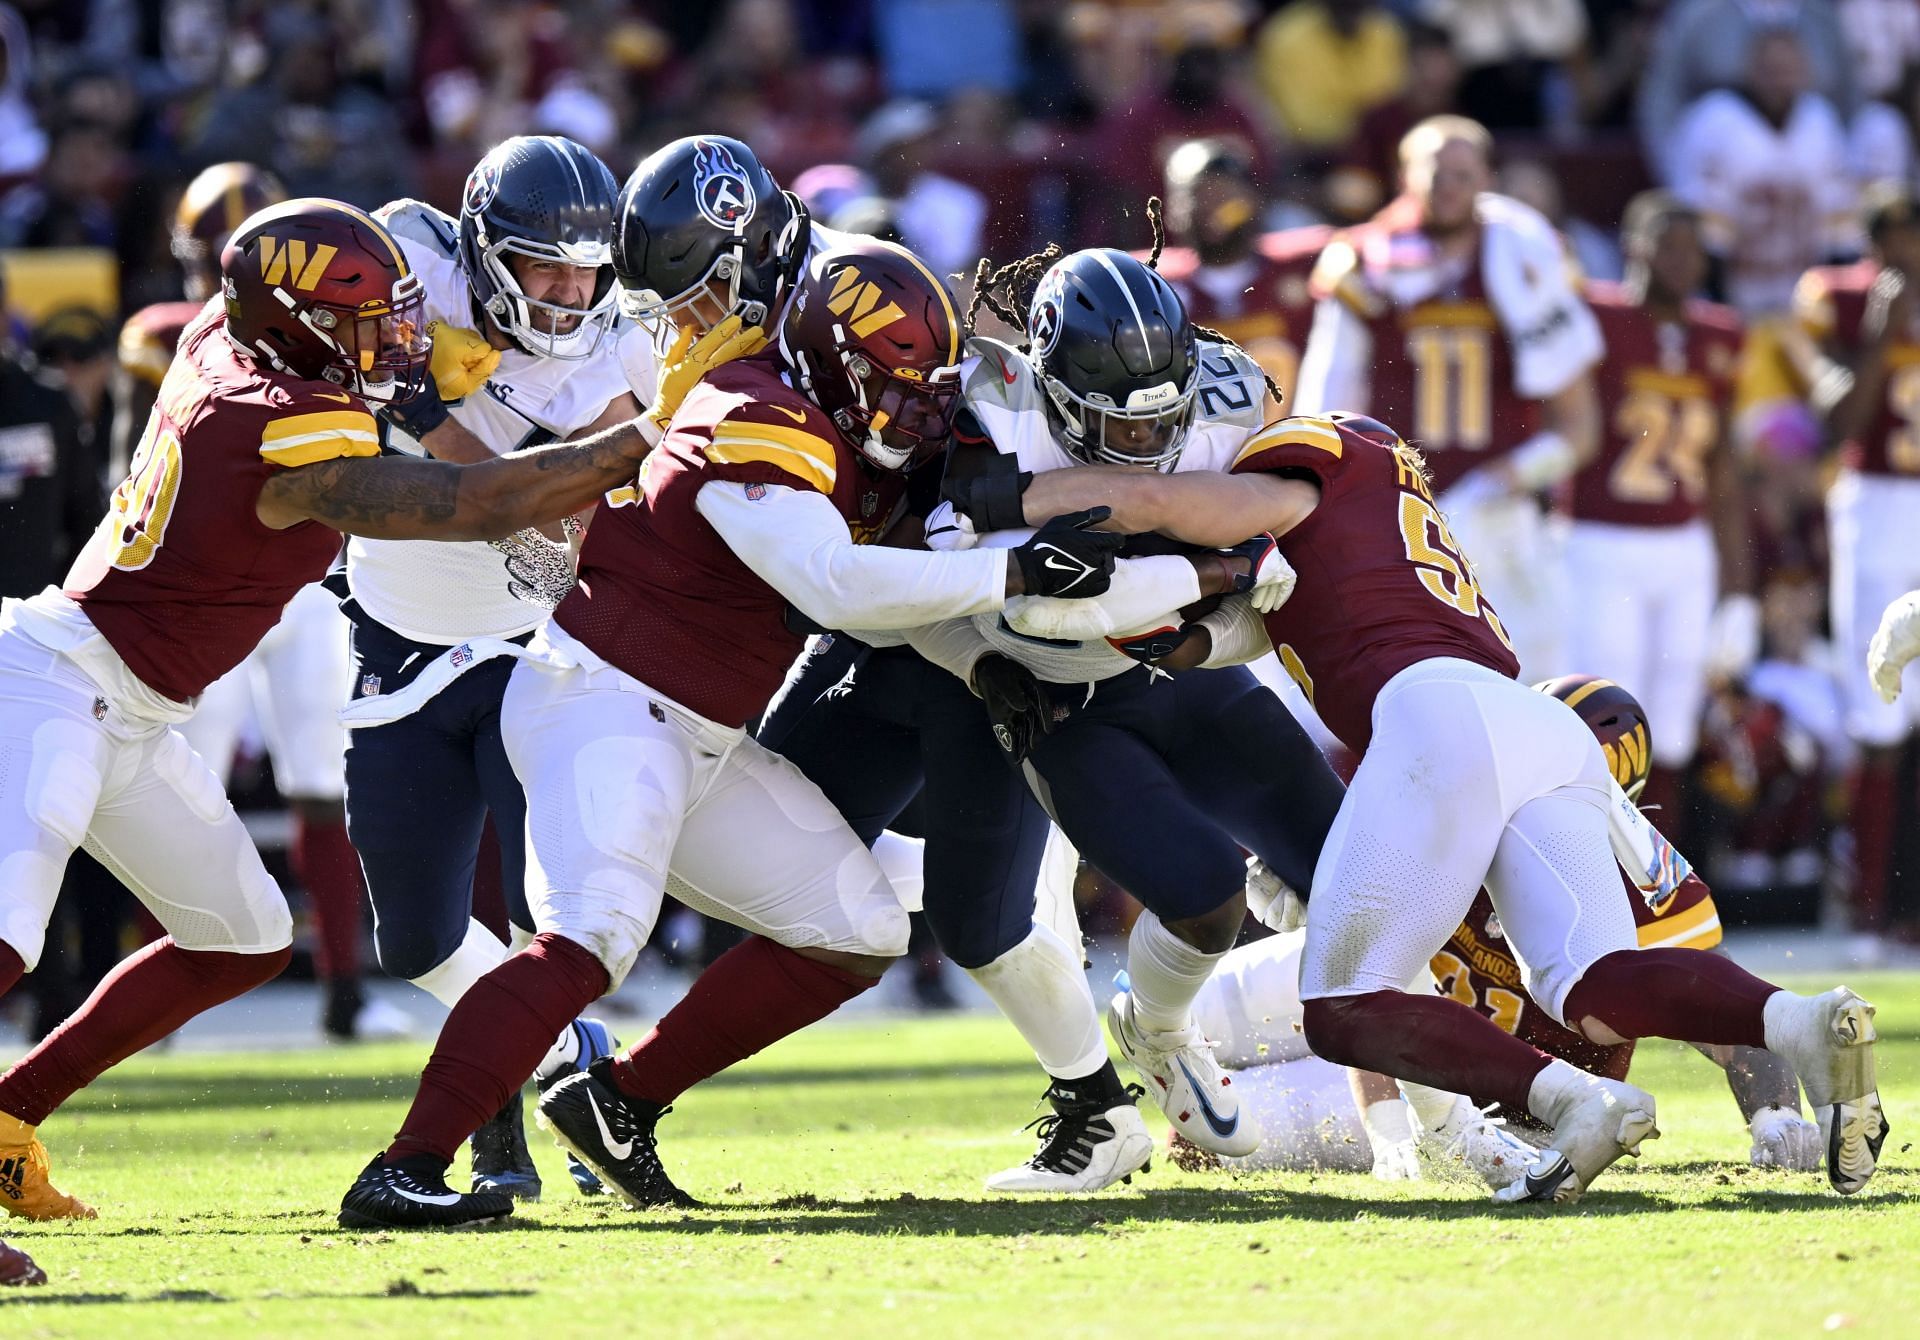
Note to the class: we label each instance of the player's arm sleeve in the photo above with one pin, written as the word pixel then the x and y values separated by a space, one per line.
pixel 955 645
pixel 1236 632
pixel 794 540
pixel 1334 368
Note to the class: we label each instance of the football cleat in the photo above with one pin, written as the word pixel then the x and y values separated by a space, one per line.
pixel 414 1194
pixel 1471 1144
pixel 1085 1145
pixel 1180 1071
pixel 17 1268
pixel 24 1186
pixel 1608 1118
pixel 1829 1039
pixel 501 1160
pixel 613 1135
pixel 595 1040
pixel 1782 1138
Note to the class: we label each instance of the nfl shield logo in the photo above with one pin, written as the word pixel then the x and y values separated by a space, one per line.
pixel 868 502
pixel 99 709
pixel 369 686
pixel 755 492
pixel 460 655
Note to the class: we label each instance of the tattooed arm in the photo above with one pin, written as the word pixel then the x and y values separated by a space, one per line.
pixel 398 498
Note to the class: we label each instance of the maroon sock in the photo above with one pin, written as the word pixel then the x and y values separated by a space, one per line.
pixel 329 870
pixel 749 998
pixel 12 967
pixel 1673 993
pixel 1875 803
pixel 1424 1039
pixel 492 1041
pixel 141 1001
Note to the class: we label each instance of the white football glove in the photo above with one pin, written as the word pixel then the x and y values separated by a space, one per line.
pixel 1784 1139
pixel 1895 642
pixel 1389 1128
pixel 1272 900
pixel 1733 636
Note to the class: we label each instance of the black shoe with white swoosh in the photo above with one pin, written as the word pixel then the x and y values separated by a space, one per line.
pixel 613 1135
pixel 413 1193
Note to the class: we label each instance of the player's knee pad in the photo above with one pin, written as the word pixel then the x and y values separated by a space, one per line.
pixel 248 916
pixel 879 923
pixel 63 779
pixel 29 884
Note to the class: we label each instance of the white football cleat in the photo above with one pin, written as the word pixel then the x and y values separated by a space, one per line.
pixel 1471 1145
pixel 1180 1071
pixel 1084 1146
pixel 1829 1039
pixel 1606 1119
pixel 1782 1138
pixel 382 1021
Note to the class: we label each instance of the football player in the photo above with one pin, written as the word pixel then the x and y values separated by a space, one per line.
pixel 296 677
pixel 521 287
pixel 1160 784
pixel 259 453
pixel 626 724
pixel 1252 1006
pixel 702 229
pixel 1453 312
pixel 1466 778
pixel 1858 357
pixel 1657 517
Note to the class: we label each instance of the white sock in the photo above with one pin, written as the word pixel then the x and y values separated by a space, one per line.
pixel 1042 989
pixel 518 937
pixel 564 1053
pixel 903 859
pixel 1555 1089
pixel 1166 973
pixel 1434 1109
pixel 479 954
pixel 1783 1022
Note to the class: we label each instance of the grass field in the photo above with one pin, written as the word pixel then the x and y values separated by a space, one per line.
pixel 847 1166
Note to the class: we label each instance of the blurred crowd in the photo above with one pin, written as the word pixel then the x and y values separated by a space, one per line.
pixel 991 127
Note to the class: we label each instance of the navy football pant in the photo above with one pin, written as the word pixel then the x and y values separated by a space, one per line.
pixel 1161 782
pixel 418 794
pixel 902 729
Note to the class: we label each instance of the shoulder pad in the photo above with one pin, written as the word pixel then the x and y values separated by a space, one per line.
pixel 787 431
pixel 417 221
pixel 1232 388
pixel 1303 442
pixel 998 376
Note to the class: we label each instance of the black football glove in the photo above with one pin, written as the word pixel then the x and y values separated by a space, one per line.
pixel 1016 704
pixel 1154 647
pixel 1067 558
pixel 420 414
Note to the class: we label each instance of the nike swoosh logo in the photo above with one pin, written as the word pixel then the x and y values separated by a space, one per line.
pixel 1053 561
pixel 333 395
pixel 1006 370
pixel 1221 1128
pixel 451 1198
pixel 1546 1185
pixel 619 1151
pixel 797 415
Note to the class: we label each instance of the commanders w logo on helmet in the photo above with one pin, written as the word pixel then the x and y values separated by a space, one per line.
pixel 1616 719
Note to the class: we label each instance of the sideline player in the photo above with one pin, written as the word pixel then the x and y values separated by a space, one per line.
pixel 296 677
pixel 1466 778
pixel 1453 312
pixel 626 724
pixel 1657 517
pixel 257 456
pixel 1252 1007
pixel 522 282
pixel 1858 357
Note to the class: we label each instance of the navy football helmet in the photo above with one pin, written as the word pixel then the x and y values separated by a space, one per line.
pixel 1117 356
pixel 702 217
pixel 550 199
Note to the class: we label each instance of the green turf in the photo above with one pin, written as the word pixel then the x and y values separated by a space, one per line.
pixel 847 1165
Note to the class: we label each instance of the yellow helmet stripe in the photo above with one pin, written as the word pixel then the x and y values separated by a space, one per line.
pixel 1586 691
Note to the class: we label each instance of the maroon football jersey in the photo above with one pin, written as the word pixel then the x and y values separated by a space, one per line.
pixel 662 596
pixel 1382 583
pixel 151 336
pixel 1665 388
pixel 1442 369
pixel 1264 304
pixel 181 576
pixel 1829 305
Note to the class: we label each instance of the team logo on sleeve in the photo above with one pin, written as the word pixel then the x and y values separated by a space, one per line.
pixel 1048 304
pixel 720 187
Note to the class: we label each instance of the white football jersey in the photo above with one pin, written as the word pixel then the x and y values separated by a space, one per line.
pixel 430 590
pixel 1003 391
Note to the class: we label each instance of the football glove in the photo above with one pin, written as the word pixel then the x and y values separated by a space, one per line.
pixel 691 359
pixel 539 570
pixel 1270 578
pixel 421 414
pixel 1016 704
pixel 1784 1139
pixel 1272 900
pixel 1895 642
pixel 462 359
pixel 1151 648
pixel 1067 558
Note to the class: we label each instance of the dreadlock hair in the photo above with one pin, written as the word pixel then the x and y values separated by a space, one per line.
pixel 1007 290
pixel 1155 221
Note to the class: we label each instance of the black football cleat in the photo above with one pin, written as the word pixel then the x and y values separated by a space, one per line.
pixel 613 1135
pixel 413 1193
pixel 501 1161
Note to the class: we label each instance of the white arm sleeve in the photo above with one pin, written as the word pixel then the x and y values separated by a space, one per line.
pixel 1238 633
pixel 1144 594
pixel 954 645
pixel 796 542
pixel 1334 369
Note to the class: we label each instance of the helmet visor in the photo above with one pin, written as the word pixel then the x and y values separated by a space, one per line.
pixel 549 329
pixel 1149 430
pixel 906 419
pixel 389 351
